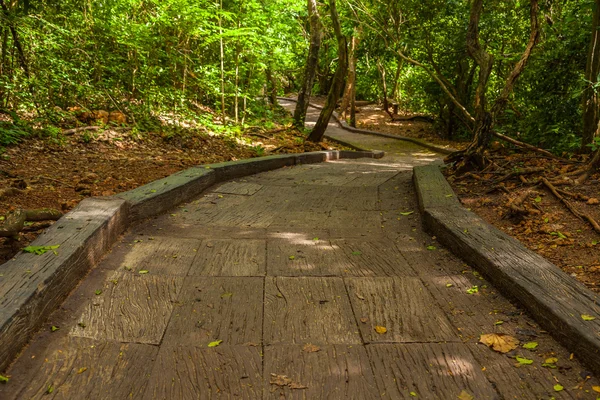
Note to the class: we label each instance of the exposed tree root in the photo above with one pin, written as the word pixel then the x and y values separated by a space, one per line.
pixel 15 221
pixel 520 172
pixel 525 145
pixel 574 211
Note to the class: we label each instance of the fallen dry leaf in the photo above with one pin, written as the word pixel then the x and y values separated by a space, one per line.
pixel 380 329
pixel 499 342
pixel 364 320
pixel 310 348
pixel 284 380
pixel 464 395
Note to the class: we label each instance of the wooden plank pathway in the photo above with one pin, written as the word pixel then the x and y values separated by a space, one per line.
pixel 278 286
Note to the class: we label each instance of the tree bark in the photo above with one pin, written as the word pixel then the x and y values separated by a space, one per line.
pixel 222 59
pixel 484 119
pixel 271 86
pixel 350 88
pixel 312 63
pixel 337 85
pixel 590 100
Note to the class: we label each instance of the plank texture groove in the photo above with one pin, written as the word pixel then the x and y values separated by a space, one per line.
pixel 428 371
pixel 224 372
pixel 136 308
pixel 301 310
pixel 332 372
pixel 78 369
pixel 230 257
pixel 403 306
pixel 210 309
pixel 32 286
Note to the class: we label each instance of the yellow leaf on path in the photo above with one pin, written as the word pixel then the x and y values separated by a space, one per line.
pixel 558 387
pixel 596 389
pixel 82 370
pixel 499 342
pixel 215 343
pixel 464 395
pixel 586 317
pixel 380 329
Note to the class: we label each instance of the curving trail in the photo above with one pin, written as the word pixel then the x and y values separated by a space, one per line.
pixel 309 282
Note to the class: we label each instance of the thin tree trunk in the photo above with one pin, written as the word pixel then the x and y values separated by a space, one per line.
pixel 271 85
pixel 353 108
pixel 351 82
pixel 591 102
pixel 337 85
pixel 382 72
pixel 312 63
pixel 222 63
pixel 484 119
pixel 394 94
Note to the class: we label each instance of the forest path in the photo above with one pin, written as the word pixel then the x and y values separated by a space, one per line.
pixel 309 282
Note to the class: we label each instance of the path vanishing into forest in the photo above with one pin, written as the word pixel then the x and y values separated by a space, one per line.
pixel 308 282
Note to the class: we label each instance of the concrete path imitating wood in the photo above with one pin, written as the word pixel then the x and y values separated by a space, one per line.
pixel 281 285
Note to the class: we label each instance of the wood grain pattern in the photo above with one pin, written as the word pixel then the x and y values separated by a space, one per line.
pixel 556 300
pixel 476 313
pixel 333 372
pixel 530 383
pixel 373 258
pixel 159 196
pixel 298 198
pixel 135 309
pixel 81 369
pixel 397 193
pixel 209 309
pixel 31 286
pixel 305 257
pixel 230 257
pixel 302 310
pixel 159 255
pixel 431 371
pixel 224 372
pixel 403 306
pixel 240 188
pixel 356 199
pixel 432 188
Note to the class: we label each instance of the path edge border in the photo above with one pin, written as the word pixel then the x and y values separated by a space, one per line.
pixel 553 298
pixel 34 286
pixel 344 125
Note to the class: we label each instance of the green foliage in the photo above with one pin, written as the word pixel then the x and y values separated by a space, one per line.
pixel 148 58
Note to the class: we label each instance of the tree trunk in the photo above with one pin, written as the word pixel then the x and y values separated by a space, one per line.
pixel 382 72
pixel 591 103
pixel 222 59
pixel 312 63
pixel 484 119
pixel 271 86
pixel 353 108
pixel 338 79
pixel 350 88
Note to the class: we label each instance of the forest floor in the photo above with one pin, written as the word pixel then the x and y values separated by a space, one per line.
pixel 547 226
pixel 58 174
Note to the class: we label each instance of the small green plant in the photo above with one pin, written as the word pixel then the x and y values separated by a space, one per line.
pixel 258 150
pixel 595 145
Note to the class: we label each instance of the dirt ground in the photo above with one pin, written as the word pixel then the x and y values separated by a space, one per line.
pixel 548 227
pixel 59 174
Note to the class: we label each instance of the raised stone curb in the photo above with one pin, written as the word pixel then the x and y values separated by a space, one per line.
pixel 556 300
pixel 343 124
pixel 32 286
